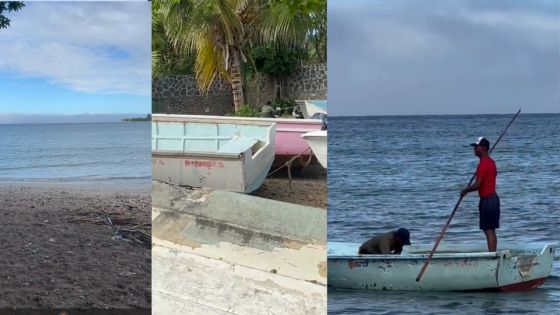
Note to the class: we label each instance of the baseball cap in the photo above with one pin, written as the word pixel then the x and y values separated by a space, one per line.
pixel 481 141
pixel 404 235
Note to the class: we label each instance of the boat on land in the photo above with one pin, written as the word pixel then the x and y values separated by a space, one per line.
pixel 311 107
pixel 317 140
pixel 459 267
pixel 212 151
pixel 287 138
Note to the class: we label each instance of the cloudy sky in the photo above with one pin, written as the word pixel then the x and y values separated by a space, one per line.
pixel 70 58
pixel 443 57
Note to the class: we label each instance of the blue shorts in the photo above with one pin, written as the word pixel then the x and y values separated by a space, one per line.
pixel 489 209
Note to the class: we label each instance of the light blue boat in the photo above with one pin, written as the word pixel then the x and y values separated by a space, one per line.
pixel 459 267
pixel 212 151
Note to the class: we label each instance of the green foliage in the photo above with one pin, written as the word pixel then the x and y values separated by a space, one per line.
pixel 246 111
pixel 147 118
pixel 8 6
pixel 166 59
pixel 276 62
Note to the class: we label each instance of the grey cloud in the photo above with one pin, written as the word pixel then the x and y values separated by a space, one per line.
pixel 400 57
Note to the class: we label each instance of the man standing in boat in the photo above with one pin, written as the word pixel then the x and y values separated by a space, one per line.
pixel 485 183
pixel 387 243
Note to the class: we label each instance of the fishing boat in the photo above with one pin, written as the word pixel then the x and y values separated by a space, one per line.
pixel 460 267
pixel 312 107
pixel 212 151
pixel 287 138
pixel 318 142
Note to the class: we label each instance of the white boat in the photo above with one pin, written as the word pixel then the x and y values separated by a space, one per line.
pixel 212 151
pixel 457 267
pixel 312 107
pixel 318 142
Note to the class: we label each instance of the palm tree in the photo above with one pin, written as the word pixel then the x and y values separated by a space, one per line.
pixel 221 32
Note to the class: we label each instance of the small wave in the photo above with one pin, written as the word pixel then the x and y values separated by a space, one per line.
pixel 77 179
pixel 47 166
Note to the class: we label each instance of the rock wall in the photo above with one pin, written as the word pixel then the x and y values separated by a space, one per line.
pixel 179 95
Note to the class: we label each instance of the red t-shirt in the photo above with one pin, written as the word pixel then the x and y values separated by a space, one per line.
pixel 486 174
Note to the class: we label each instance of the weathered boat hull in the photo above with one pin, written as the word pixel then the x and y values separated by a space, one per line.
pixel 511 268
pixel 318 142
pixel 287 143
pixel 218 252
pixel 210 151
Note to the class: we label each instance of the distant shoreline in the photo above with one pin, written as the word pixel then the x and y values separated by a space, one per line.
pixel 147 118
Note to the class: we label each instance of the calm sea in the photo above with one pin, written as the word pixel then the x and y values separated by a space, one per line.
pixel 97 152
pixel 407 171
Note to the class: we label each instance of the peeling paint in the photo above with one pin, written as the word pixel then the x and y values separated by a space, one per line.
pixel 357 264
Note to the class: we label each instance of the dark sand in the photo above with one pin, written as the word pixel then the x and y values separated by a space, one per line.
pixel 308 187
pixel 58 251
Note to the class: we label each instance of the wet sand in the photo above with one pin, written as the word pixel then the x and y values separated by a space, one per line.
pixel 58 249
pixel 308 187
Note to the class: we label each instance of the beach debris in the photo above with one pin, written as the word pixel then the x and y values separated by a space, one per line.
pixel 124 226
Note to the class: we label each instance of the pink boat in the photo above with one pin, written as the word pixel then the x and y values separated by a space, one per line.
pixel 289 142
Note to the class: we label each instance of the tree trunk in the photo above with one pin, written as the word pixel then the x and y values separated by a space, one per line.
pixel 236 80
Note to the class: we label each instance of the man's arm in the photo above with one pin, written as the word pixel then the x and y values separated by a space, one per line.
pixel 473 187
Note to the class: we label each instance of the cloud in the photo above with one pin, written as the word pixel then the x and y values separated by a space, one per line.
pixel 97 47
pixel 443 57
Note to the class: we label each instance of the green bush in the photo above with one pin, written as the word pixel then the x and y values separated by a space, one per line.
pixel 246 111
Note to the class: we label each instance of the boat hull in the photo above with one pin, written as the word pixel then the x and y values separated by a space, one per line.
pixel 511 268
pixel 317 140
pixel 209 151
pixel 288 141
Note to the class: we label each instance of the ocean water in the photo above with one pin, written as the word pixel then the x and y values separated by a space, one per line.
pixel 96 152
pixel 407 171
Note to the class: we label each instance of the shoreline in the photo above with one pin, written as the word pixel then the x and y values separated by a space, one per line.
pixel 84 187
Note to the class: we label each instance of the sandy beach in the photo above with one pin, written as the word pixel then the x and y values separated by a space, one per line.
pixel 59 249
pixel 307 188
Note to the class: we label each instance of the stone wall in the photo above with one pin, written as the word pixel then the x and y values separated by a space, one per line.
pixel 179 94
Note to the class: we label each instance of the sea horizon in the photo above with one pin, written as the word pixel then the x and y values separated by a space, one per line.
pixel 441 115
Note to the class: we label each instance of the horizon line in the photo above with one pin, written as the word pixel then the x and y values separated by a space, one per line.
pixel 407 115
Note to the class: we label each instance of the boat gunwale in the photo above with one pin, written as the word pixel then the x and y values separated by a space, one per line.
pixel 196 154
pixel 207 118
pixel 420 256
pixel 531 248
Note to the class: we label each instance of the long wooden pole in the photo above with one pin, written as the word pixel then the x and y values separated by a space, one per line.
pixel 425 266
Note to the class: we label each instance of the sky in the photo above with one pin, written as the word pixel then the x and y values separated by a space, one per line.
pixel 443 57
pixel 67 59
